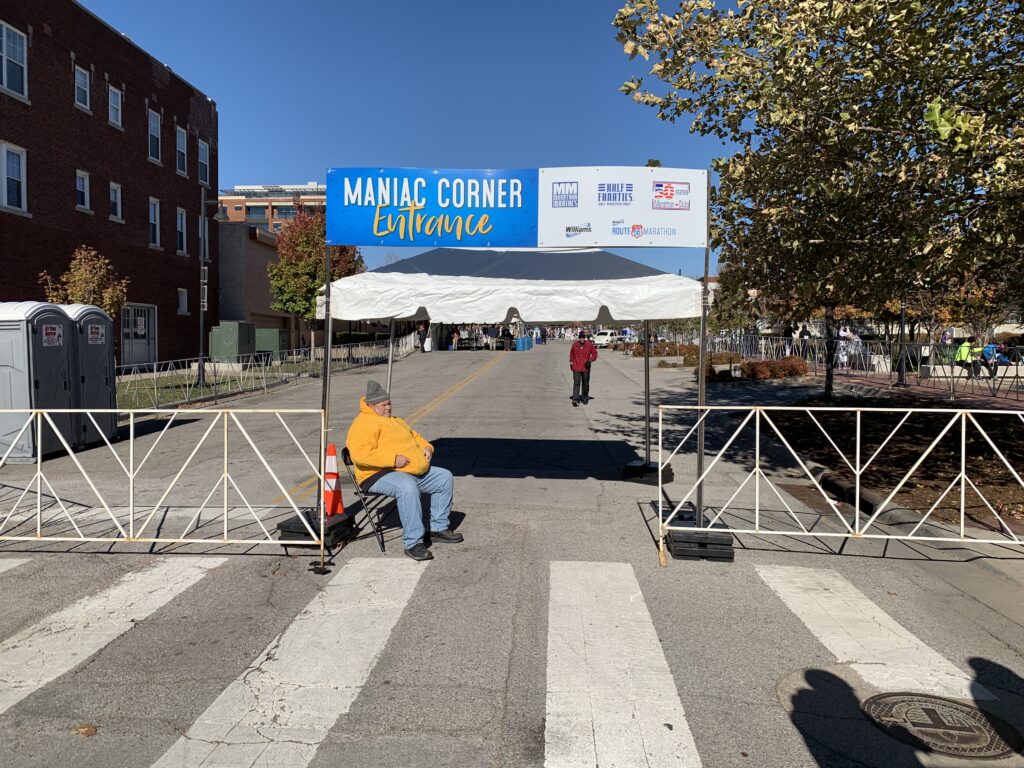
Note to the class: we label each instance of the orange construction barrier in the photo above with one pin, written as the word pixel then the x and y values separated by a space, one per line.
pixel 333 503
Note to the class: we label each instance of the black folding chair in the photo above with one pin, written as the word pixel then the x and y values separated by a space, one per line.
pixel 370 501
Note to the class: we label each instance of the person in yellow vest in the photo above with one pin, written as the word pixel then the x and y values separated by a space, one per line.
pixel 968 355
pixel 392 458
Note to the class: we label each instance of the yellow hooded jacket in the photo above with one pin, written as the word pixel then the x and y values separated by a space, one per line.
pixel 374 442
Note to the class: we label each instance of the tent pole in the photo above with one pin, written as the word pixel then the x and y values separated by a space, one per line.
pixel 391 351
pixel 702 366
pixel 647 392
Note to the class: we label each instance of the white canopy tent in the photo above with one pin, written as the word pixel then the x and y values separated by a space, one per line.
pixel 382 295
pixel 460 299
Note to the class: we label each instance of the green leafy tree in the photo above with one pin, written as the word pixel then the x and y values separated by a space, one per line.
pixel 298 276
pixel 877 140
pixel 90 279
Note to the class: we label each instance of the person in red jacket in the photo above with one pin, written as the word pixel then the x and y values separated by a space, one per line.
pixel 581 355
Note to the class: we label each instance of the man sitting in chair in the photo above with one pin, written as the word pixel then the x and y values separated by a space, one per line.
pixel 391 458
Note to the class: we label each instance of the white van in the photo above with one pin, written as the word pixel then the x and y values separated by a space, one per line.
pixel 605 338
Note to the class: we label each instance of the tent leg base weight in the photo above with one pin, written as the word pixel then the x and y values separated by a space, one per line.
pixel 645 471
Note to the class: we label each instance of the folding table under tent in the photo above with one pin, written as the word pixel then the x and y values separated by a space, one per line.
pixel 449 285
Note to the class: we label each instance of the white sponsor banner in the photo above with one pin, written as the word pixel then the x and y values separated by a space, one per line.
pixel 621 206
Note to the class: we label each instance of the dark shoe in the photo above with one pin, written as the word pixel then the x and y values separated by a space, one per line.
pixel 447 536
pixel 586 401
pixel 419 552
pixel 575 403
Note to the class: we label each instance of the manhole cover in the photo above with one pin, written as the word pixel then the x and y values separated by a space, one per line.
pixel 946 726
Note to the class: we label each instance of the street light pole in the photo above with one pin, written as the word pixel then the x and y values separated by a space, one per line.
pixel 204 259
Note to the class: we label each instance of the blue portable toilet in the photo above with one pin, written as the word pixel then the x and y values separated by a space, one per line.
pixel 35 374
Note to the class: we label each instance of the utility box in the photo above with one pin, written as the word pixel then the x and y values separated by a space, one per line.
pixel 93 382
pixel 35 374
pixel 272 342
pixel 232 339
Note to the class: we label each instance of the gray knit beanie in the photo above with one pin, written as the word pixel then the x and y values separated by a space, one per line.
pixel 375 393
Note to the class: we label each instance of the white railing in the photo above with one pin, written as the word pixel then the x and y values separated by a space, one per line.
pixel 170 383
pixel 202 476
pixel 762 445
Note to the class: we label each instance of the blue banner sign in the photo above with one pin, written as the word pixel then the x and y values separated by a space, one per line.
pixel 424 207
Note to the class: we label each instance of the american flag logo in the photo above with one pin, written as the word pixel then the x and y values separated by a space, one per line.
pixel 671 195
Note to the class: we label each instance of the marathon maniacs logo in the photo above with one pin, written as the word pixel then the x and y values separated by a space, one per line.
pixel 565 194
pixel 578 229
pixel 615 193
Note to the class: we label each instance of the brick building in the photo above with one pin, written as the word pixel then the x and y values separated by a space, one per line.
pixel 271 206
pixel 102 145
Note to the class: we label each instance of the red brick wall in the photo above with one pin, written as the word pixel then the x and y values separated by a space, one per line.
pixel 61 139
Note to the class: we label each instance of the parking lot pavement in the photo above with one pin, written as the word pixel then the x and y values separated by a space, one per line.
pixel 550 637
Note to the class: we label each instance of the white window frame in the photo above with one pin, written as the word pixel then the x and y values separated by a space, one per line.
pixel 181 233
pixel 119 114
pixel 154 222
pixel 115 192
pixel 22 177
pixel 86 204
pixel 150 135
pixel 181 150
pixel 183 301
pixel 83 72
pixel 4 58
pixel 204 166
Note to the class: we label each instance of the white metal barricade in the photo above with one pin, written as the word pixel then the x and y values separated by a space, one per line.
pixel 741 491
pixel 198 476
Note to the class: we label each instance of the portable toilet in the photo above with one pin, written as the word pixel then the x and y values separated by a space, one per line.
pixel 93 382
pixel 35 374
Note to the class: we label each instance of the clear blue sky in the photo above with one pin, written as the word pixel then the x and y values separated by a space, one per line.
pixel 310 84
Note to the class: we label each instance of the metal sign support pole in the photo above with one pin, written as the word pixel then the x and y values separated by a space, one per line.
pixel 391 351
pixel 702 364
pixel 647 392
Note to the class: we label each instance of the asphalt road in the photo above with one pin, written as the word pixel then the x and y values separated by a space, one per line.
pixel 551 636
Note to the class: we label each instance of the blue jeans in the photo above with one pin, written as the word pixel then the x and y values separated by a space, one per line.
pixel 407 488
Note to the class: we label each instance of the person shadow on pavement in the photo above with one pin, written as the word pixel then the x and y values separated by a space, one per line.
pixel 827 714
pixel 1008 707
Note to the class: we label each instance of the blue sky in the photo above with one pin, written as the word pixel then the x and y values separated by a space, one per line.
pixel 310 84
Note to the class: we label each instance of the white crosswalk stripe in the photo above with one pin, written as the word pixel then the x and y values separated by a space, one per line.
pixel 611 700
pixel 858 632
pixel 45 651
pixel 8 563
pixel 277 712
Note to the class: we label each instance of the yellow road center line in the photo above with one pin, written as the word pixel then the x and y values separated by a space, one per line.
pixel 415 416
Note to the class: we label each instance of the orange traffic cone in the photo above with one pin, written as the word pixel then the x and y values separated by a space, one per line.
pixel 333 503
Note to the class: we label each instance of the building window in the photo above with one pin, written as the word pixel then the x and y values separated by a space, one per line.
pixel 82 87
pixel 256 213
pixel 277 226
pixel 223 210
pixel 12 60
pixel 154 135
pixel 12 166
pixel 180 226
pixel 284 211
pixel 204 163
pixel 82 190
pixel 182 301
pixel 238 207
pixel 154 222
pixel 114 98
pixel 180 149
pixel 115 201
